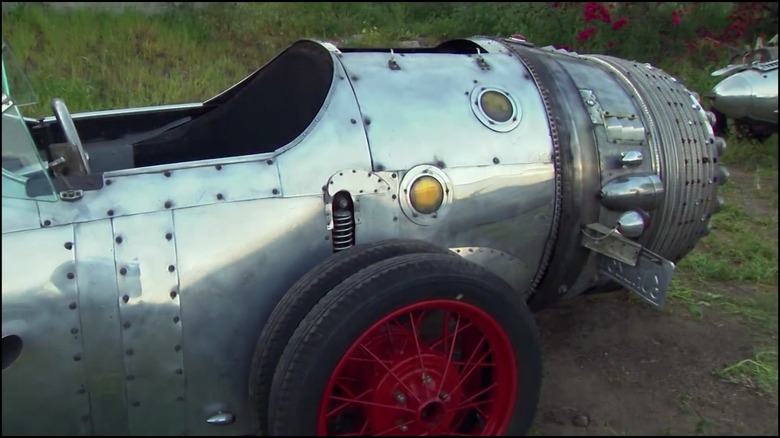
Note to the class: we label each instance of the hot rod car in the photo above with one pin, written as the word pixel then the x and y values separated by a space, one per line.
pixel 346 242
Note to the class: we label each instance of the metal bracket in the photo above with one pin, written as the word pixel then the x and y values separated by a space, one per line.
pixel 593 106
pixel 392 63
pixel 71 195
pixel 609 242
pixel 650 278
pixel 483 65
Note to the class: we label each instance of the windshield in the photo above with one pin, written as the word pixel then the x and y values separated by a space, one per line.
pixel 23 169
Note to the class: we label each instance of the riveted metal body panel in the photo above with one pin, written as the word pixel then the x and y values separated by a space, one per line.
pixel 416 129
pixel 151 323
pixel 235 262
pixel 101 326
pixel 165 187
pixel 41 306
pixel 335 141
pixel 148 293
pixel 24 217
pixel 506 208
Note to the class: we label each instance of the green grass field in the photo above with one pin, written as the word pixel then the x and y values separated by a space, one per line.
pixel 98 60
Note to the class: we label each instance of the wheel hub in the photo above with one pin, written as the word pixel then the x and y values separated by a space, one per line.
pixel 420 383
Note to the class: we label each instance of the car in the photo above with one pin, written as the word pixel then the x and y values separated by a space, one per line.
pixel 748 93
pixel 348 241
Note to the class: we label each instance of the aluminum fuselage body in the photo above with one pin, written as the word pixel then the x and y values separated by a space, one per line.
pixel 139 304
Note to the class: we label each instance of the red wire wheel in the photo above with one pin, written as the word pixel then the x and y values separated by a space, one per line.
pixel 434 367
pixel 421 344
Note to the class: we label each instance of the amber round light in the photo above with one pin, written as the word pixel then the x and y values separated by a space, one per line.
pixel 496 106
pixel 426 195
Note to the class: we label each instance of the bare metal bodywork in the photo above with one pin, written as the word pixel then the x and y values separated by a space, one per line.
pixel 748 92
pixel 134 293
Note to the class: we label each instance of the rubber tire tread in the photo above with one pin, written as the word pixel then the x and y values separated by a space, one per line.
pixel 319 341
pixel 299 300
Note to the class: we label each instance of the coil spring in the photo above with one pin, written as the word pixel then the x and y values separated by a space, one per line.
pixel 343 233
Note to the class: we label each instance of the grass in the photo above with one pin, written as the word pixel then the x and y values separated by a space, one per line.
pixel 99 60
pixel 735 269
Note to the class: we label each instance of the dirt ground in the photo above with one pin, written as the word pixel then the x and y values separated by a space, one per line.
pixel 616 366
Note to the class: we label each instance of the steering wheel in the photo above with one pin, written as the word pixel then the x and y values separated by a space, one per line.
pixel 62 115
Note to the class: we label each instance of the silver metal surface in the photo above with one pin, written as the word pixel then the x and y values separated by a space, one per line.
pixel 506 266
pixel 129 111
pixel 235 262
pixel 176 267
pixel 631 158
pixel 65 121
pixel 609 242
pixel 624 128
pixel 514 118
pixel 650 278
pixel 683 144
pixel 434 90
pixel 41 306
pixel 221 419
pixel 631 224
pixel 22 213
pixel 336 141
pixel 592 105
pixel 100 327
pixel 151 323
pixel 126 193
pixel 750 94
pixel 643 191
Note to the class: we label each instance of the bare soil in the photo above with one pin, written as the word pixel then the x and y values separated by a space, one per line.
pixel 616 366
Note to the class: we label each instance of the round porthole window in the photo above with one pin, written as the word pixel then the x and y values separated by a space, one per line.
pixel 495 108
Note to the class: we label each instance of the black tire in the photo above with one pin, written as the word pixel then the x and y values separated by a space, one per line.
pixel 299 300
pixel 746 131
pixel 366 299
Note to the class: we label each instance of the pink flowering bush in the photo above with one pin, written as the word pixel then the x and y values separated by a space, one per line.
pixel 697 37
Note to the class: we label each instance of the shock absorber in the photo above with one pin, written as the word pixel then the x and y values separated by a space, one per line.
pixel 343 232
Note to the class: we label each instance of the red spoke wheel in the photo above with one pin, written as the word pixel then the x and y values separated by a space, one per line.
pixel 420 344
pixel 300 299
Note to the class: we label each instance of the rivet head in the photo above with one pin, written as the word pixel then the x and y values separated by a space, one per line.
pixel 110 212
pixel 177 348
pixel 167 173
pixel 70 276
pixel 179 371
pixel 125 298
pixel 126 324
pixel 495 160
pixel 72 306
pixel 175 319
pixel 46 223
pixel 168 236
pixel 118 239
pixel 136 404
pixel 218 167
pixel 269 162
pixel 68 245
pixel 123 271
pixel 171 268
pixel 173 294
pixel 168 204
pixel 77 357
pixel 74 331
pixel 129 352
pixel 275 191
